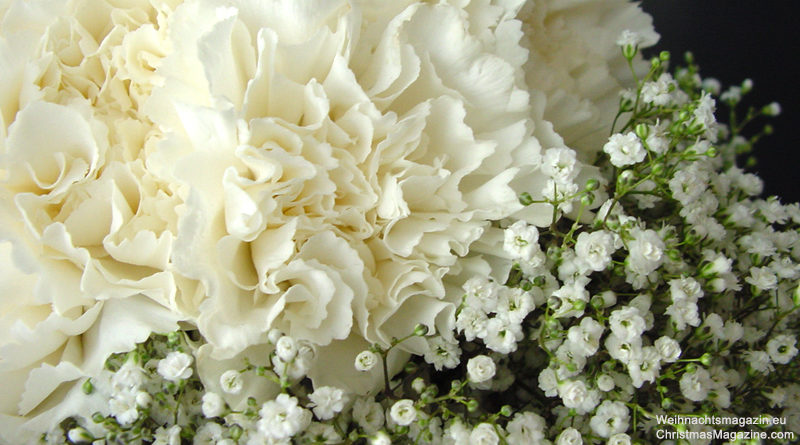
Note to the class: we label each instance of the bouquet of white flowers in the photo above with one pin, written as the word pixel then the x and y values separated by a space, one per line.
pixel 360 221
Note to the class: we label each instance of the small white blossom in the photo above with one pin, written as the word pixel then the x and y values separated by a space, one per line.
pixel 575 394
pixel 484 434
pixel 695 385
pixel 175 366
pixel 480 368
pixel 231 381
pixel 624 149
pixel 668 348
pixel 594 249
pixel 167 436
pixel 610 418
pixel 286 348
pixel 560 164
pixel 368 414
pixel 282 418
pixel 644 367
pixel 629 38
pixel 758 361
pixel 626 323
pixel 380 438
pixel 366 360
pixel 327 401
pixel 403 412
pixel 646 252
pixel 521 240
pixel 210 433
pixel 658 92
pixel 526 428
pixel 472 322
pixel 442 353
pixel 570 436
pixel 762 278
pixel 619 439
pixel 782 349
pixel 683 313
pixel 584 338
pixel 213 405
pixel 605 382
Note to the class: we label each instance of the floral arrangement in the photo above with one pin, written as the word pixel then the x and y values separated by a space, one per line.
pixel 320 221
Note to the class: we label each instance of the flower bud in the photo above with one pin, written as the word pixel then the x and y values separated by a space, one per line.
pixel 592 184
pixel 472 405
pixel 79 435
pixel 642 130
pixel 506 411
pixel 420 330
pixel 706 359
pixel 525 198
pixel 87 387
pixel 773 109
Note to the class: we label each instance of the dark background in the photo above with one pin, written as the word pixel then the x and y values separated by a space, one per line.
pixel 734 40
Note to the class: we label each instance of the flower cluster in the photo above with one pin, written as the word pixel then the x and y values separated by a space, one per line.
pixel 316 222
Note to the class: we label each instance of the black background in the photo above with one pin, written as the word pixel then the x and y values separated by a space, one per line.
pixel 735 40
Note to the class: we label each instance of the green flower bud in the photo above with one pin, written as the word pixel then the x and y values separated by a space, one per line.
pixel 410 367
pixel 236 432
pixel 98 418
pixel 472 405
pixel 655 63
pixel 664 56
pixel 592 185
pixel 658 169
pixel 706 359
pixel 587 199
pixel 691 367
pixel 629 51
pixel 711 152
pixel 666 403
pixel 626 177
pixel 642 130
pixel 506 411
pixel 525 198
pixel 87 386
pixel 420 330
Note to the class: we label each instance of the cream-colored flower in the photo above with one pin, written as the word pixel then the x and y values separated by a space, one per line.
pixel 84 241
pixel 334 160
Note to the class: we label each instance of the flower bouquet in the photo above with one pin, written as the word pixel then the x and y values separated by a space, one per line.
pixel 363 221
